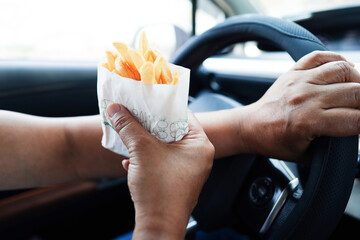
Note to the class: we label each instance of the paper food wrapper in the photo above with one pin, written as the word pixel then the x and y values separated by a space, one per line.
pixel 160 108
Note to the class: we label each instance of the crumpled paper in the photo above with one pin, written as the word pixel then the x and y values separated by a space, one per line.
pixel 160 108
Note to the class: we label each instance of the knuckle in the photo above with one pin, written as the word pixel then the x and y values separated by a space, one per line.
pixel 356 93
pixel 121 122
pixel 343 70
pixel 316 53
pixel 297 97
pixel 317 56
pixel 352 123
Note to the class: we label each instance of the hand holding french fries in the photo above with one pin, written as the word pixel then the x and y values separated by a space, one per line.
pixel 145 64
pixel 153 90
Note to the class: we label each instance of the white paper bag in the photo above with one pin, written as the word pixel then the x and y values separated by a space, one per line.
pixel 160 108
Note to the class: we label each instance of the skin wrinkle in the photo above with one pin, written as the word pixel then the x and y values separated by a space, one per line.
pixel 356 94
pixel 344 74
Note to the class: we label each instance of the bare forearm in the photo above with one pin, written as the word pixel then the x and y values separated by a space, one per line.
pixel 32 151
pixel 37 151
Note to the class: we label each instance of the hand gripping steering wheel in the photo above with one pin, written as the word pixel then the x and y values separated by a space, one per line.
pixel 331 173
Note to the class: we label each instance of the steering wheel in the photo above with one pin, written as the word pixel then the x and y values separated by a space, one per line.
pixel 265 195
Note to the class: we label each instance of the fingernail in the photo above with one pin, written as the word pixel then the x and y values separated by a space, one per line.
pixel 113 109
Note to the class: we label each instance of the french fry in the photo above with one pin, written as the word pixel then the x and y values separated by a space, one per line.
pixel 166 73
pixel 123 49
pixel 115 71
pixel 147 64
pixel 111 60
pixel 143 44
pixel 122 69
pixel 147 73
pixel 176 77
pixel 148 56
pixel 156 51
pixel 153 54
pixel 134 71
pixel 157 66
pixel 137 58
pixel 106 65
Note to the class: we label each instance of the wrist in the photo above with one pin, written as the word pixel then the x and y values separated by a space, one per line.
pixel 246 124
pixel 160 227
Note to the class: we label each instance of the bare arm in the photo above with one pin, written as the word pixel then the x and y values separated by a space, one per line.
pixel 37 151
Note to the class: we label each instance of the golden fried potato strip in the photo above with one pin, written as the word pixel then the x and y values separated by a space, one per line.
pixel 111 60
pixel 123 49
pixel 143 44
pixel 147 64
pixel 137 58
pixel 166 73
pixel 147 73
pixel 157 66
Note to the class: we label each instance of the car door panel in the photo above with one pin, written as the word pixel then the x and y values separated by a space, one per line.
pixel 48 88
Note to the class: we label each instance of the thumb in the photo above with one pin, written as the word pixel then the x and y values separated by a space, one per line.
pixel 129 130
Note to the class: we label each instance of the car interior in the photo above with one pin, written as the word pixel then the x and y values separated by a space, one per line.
pixel 259 197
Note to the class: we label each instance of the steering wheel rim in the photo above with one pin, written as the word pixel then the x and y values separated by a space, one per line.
pixel 333 165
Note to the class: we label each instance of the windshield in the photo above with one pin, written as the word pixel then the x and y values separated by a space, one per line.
pixel 81 29
pixel 283 8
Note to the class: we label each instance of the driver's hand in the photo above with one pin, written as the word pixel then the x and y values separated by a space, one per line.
pixel 319 96
pixel 165 180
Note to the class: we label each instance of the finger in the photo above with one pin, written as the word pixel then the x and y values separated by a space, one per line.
pixel 129 130
pixel 340 95
pixel 317 58
pixel 125 164
pixel 334 72
pixel 340 122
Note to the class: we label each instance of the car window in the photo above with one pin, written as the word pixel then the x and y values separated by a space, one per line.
pixel 84 29
pixel 81 29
